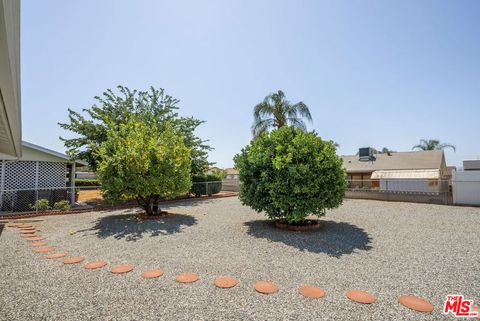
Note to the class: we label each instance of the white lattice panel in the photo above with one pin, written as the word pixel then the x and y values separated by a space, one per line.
pixel 51 174
pixel 20 175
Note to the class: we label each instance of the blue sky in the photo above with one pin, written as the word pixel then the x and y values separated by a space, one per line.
pixel 374 73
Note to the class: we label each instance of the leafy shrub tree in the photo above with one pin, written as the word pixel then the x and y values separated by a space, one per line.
pixel 290 174
pixel 143 162
pixel 91 127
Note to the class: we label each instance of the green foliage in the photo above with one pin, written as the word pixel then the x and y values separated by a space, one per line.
pixel 62 205
pixel 219 173
pixel 41 205
pixel 144 162
pixel 290 174
pixel 200 186
pixel 113 110
pixel 433 144
pixel 276 111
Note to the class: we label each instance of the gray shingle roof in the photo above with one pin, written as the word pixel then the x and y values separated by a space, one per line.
pixel 431 159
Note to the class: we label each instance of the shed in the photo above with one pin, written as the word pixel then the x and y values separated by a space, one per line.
pixel 40 173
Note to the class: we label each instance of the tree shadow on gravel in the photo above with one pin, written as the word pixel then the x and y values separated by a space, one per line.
pixel 131 228
pixel 333 238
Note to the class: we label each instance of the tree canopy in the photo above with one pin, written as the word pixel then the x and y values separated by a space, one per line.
pixel 290 174
pixel 276 111
pixel 144 162
pixel 433 144
pixel 153 106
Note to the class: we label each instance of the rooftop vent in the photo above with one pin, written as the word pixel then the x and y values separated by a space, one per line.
pixel 365 154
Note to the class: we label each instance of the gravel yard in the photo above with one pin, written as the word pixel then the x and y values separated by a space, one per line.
pixel 387 249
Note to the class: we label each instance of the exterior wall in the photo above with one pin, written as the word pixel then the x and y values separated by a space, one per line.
pixel 466 187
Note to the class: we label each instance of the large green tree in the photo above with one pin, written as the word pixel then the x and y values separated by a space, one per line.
pixel 91 127
pixel 290 174
pixel 144 162
pixel 433 144
pixel 276 111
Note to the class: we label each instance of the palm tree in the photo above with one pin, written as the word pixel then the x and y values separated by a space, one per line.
pixel 276 111
pixel 432 144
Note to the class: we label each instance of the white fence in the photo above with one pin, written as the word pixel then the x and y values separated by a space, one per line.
pixel 466 187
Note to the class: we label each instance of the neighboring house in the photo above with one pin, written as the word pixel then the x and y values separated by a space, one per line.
pixel 10 122
pixel 39 174
pixel 232 173
pixel 211 170
pixel 416 171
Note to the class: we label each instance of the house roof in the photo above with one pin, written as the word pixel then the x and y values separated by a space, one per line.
pixel 231 171
pixel 431 159
pixel 32 152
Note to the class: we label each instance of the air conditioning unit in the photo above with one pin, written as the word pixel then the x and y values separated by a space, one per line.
pixel 365 154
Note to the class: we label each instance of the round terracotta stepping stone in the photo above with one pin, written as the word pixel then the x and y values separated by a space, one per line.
pixel 28 236
pixel 27 228
pixel 225 282
pixel 266 287
pixel 35 238
pixel 95 265
pixel 122 269
pixel 13 224
pixel 311 291
pixel 25 225
pixel 360 296
pixel 35 244
pixel 45 249
pixel 151 274
pixel 56 255
pixel 27 232
pixel 416 303
pixel 73 260
pixel 187 278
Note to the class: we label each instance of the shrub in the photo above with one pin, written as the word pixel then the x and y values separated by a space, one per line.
pixel 62 205
pixel 40 205
pixel 290 174
pixel 199 186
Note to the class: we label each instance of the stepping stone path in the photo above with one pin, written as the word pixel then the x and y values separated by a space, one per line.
pixel 265 287
pixel 151 274
pixel 95 265
pixel 225 282
pixel 74 260
pixel 45 249
pixel 36 244
pixel 360 296
pixel 35 238
pixel 311 291
pixel 56 255
pixel 122 269
pixel 416 303
pixel 187 278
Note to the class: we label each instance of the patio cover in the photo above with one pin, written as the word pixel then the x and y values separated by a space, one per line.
pixel 407 174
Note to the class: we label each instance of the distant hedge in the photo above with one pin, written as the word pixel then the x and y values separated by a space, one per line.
pixel 200 189
pixel 86 182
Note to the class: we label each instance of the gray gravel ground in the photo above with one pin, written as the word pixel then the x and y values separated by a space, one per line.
pixel 388 249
